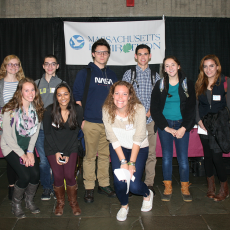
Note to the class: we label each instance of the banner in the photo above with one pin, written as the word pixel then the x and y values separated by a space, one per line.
pixel 123 38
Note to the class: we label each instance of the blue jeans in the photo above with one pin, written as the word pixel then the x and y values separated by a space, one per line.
pixel 137 187
pixel 46 178
pixel 181 150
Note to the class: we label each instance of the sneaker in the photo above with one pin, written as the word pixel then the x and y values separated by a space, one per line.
pixel 53 193
pixel 122 214
pixel 107 191
pixel 46 194
pixel 147 205
pixel 151 188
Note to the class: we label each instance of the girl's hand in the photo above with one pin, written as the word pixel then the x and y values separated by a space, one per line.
pixel 170 130
pixel 58 155
pixel 132 170
pixel 30 156
pixel 125 166
pixel 200 123
pixel 180 132
pixel 66 159
pixel 26 160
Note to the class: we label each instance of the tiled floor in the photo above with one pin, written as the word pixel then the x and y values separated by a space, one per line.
pixel 202 213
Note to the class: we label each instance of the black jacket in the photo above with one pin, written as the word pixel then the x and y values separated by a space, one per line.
pixel 62 140
pixel 187 105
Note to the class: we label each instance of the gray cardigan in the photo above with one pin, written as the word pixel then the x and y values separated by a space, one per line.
pixel 9 138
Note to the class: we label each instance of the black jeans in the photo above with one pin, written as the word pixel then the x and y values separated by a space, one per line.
pixel 26 175
pixel 213 159
pixel 11 174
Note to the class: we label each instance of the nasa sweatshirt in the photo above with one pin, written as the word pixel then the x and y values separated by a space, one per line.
pixel 100 82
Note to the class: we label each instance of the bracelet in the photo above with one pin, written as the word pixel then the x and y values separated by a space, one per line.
pixel 29 151
pixel 123 161
pixel 132 163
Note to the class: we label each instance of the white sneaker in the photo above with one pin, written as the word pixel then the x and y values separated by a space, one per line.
pixel 147 205
pixel 122 214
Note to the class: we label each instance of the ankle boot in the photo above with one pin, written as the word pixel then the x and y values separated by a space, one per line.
pixel 223 192
pixel 168 190
pixel 16 202
pixel 29 196
pixel 211 187
pixel 72 198
pixel 60 195
pixel 10 192
pixel 185 191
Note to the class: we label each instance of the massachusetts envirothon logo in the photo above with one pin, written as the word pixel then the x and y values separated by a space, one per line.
pixel 77 42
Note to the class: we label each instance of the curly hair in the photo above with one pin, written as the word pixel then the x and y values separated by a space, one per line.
pixel 19 74
pixel 202 81
pixel 111 108
pixel 16 101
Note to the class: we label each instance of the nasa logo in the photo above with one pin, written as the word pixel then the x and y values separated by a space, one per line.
pixel 77 42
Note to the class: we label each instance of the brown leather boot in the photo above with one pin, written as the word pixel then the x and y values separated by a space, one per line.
pixel 223 192
pixel 60 195
pixel 168 190
pixel 72 198
pixel 185 191
pixel 211 187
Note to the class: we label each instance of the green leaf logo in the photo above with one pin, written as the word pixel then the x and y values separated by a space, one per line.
pixel 127 47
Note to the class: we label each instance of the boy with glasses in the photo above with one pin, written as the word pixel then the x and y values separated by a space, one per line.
pixel 94 131
pixel 46 86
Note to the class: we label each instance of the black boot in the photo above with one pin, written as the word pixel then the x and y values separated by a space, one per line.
pixel 10 192
pixel 16 202
pixel 29 196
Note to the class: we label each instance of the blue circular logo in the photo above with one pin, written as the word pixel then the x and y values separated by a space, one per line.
pixel 77 42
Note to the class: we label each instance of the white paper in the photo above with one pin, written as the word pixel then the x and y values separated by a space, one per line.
pixel 201 131
pixel 124 174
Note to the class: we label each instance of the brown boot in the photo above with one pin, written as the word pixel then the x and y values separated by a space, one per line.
pixel 185 191
pixel 168 190
pixel 211 187
pixel 60 195
pixel 223 192
pixel 72 198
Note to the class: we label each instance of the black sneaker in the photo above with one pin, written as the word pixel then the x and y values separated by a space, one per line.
pixel 152 189
pixel 46 194
pixel 53 193
pixel 107 191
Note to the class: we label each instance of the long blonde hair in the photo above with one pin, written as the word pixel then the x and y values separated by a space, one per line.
pixel 111 108
pixel 19 74
pixel 202 81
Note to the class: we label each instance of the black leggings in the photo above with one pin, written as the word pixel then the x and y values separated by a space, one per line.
pixel 210 159
pixel 11 174
pixel 26 175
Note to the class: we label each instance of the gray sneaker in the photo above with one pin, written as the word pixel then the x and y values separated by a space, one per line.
pixel 46 194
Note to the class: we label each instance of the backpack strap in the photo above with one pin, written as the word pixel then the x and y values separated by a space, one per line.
pixel 39 82
pixel 87 83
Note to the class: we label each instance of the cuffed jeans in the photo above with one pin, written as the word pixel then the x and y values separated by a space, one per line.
pixel 167 152
pixel 137 187
pixel 46 178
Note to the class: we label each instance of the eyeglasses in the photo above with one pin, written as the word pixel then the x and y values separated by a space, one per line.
pixel 105 53
pixel 16 65
pixel 47 64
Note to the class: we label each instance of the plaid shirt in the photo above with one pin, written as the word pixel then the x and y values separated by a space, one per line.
pixel 145 88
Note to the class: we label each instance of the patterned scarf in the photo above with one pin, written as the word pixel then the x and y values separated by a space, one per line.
pixel 27 125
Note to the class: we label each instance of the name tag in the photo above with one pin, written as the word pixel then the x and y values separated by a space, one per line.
pixel 52 90
pixel 216 98
pixel 129 127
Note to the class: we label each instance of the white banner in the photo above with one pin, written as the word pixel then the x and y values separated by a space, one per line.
pixel 123 38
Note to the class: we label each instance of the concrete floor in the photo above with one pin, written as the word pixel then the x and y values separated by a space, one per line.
pixel 202 213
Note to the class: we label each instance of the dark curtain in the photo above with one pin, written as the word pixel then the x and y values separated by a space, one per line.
pixel 30 40
pixel 189 39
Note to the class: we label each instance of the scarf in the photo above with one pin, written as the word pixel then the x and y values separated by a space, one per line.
pixel 27 125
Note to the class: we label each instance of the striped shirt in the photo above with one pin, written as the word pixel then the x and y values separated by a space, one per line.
pixel 9 90
pixel 145 86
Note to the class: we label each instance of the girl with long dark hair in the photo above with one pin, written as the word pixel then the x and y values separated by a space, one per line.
pixel 22 116
pixel 62 121
pixel 173 110
pixel 210 94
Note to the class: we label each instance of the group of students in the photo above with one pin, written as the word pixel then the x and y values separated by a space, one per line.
pixel 127 114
